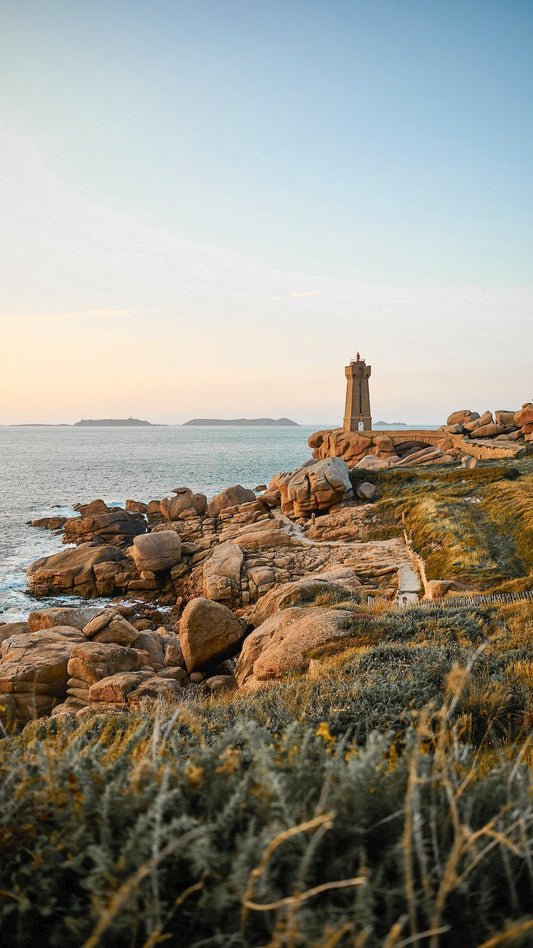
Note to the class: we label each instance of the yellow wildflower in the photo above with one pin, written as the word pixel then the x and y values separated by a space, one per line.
pixel 323 732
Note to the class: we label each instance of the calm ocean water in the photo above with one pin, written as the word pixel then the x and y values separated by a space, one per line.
pixel 44 470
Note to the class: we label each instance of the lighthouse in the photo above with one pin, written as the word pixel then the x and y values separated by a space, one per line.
pixel 357 415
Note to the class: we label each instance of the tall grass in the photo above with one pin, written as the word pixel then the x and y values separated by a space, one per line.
pixel 474 526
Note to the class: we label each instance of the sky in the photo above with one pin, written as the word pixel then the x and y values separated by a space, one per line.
pixel 207 207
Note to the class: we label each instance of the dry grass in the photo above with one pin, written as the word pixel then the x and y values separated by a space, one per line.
pixel 173 829
pixel 474 526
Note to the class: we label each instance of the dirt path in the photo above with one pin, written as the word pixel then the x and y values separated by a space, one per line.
pixel 398 555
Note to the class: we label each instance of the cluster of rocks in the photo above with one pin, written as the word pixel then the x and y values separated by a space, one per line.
pixel 160 549
pixel 502 426
pixel 103 524
pixel 72 660
pixel 254 586
pixel 374 450
pixel 249 584
pixel 75 660
pixel 466 432
pixel 78 660
pixel 145 549
pixel 313 488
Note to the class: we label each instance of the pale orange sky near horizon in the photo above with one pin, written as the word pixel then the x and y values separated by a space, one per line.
pixel 207 215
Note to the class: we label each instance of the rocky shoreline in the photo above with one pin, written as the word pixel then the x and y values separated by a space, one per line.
pixel 466 434
pixel 223 594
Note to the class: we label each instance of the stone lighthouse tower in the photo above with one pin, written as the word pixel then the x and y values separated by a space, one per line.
pixel 357 415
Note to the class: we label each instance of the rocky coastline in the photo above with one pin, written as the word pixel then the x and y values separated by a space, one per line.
pixel 466 434
pixel 227 593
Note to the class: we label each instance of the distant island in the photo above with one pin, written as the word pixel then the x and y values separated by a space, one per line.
pixel 112 423
pixel 391 424
pixel 242 421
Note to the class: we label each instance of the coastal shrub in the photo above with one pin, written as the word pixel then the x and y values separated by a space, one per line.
pixel 130 830
pixel 385 797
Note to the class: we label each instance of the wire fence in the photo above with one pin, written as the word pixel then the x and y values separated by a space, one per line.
pixel 457 602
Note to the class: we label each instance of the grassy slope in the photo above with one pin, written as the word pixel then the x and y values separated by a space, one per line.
pixel 473 526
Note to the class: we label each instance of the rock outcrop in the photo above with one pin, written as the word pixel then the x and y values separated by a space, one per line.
pixel 49 523
pixel 92 661
pixel 222 574
pixel 110 627
pixel 314 488
pixel 505 425
pixel 116 688
pixel 108 663
pixel 285 641
pixel 374 450
pixel 7 629
pixel 461 417
pixel 297 593
pixel 229 498
pixel 525 415
pixel 77 571
pixel 75 618
pixel 33 671
pixel 240 562
pixel 113 525
pixel 184 505
pixel 136 506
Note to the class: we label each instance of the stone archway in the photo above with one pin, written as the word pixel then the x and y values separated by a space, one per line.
pixel 353 446
pixel 412 445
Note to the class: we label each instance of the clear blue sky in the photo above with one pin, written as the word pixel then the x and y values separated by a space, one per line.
pixel 240 193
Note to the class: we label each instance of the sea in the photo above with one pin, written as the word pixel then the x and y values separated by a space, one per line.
pixel 45 470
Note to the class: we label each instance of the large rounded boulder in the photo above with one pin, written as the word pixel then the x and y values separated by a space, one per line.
pixel 315 488
pixel 209 632
pixel 155 552
pixel 183 505
pixel 230 497
pixel 285 642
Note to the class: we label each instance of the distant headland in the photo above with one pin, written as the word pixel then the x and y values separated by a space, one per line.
pixel 112 423
pixel 266 422
pixel 391 424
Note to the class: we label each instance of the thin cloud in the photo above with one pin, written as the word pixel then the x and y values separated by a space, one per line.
pixel 298 295
pixel 105 313
pixel 108 312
